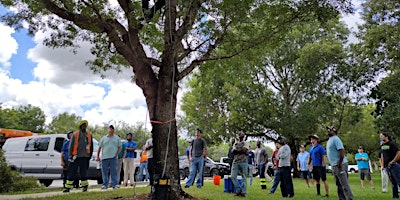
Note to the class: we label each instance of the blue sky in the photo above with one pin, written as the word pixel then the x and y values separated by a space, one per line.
pixel 57 80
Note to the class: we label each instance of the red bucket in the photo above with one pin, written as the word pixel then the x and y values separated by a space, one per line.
pixel 217 179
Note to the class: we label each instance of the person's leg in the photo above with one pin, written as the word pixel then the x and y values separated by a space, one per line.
pixel 146 170
pixel 368 176
pixel 200 167
pixel 150 168
pixel 192 172
pixel 73 169
pixel 276 181
pixel 126 171
pixel 250 173
pixel 131 170
pixel 317 175
pixel 243 168
pixel 323 178
pixel 394 175
pixel 361 173
pixel 141 169
pixel 284 178
pixel 234 174
pixel 104 172
pixel 113 171
pixel 83 169
pixel 119 170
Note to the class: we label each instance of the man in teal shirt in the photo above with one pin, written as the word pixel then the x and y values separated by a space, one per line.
pixel 363 167
pixel 109 146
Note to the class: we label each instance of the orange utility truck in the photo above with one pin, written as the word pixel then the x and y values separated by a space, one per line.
pixel 12 133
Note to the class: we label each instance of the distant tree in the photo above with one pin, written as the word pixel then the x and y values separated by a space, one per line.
pixel 63 123
pixel 29 118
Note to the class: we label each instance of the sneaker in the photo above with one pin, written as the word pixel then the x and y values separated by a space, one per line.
pixel 84 188
pixel 327 195
pixel 116 187
pixel 186 186
pixel 104 187
pixel 65 190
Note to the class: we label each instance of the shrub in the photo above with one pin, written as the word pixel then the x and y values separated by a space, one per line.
pixel 13 181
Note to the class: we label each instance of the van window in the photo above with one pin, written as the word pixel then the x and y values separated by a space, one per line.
pixel 59 144
pixel 37 144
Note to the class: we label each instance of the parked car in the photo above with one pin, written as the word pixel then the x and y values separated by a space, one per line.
pixel 211 168
pixel 268 171
pixel 39 156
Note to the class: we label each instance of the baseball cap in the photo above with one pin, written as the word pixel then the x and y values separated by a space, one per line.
pixel 301 146
pixel 241 134
pixel 199 131
pixel 360 147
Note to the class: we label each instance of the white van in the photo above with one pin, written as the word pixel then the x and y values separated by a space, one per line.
pixel 40 156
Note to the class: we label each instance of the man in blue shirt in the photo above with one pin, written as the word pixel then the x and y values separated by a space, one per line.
pixel 336 156
pixel 302 164
pixel 129 167
pixel 317 162
pixel 363 167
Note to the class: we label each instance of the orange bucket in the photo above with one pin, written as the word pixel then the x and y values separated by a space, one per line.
pixel 217 179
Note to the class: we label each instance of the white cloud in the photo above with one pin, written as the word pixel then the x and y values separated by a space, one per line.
pixel 8 46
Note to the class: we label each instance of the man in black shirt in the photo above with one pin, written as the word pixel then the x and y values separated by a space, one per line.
pixel 390 158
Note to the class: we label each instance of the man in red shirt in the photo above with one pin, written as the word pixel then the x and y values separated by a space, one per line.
pixel 275 162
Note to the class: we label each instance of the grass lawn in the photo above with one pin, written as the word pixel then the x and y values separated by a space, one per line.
pixel 210 191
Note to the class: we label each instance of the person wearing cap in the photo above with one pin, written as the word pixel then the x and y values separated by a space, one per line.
pixel 390 161
pixel 363 167
pixel 130 155
pixel 302 164
pixel 284 154
pixel 109 146
pixel 198 152
pixel 79 153
pixel 337 159
pixel 317 162
pixel 240 151
pixel 65 162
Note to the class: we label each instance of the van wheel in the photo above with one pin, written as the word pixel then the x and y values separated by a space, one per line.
pixel 352 170
pixel 46 182
pixel 100 181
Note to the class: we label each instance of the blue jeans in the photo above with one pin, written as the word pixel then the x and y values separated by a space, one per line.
pixel 342 182
pixel 394 175
pixel 287 189
pixel 241 168
pixel 196 167
pixel 251 173
pixel 143 166
pixel 109 164
pixel 276 181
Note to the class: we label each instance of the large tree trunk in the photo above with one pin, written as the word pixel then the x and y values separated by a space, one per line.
pixel 164 132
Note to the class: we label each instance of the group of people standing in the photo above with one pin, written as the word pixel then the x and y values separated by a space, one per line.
pixel 312 165
pixel 112 153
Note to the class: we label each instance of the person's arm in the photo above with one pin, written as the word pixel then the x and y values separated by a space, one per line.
pixel 98 153
pixel 62 159
pixel 396 158
pixel 190 152
pixel 265 157
pixel 119 150
pixel 381 161
pixel 342 153
pixel 324 160
pixel 205 152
